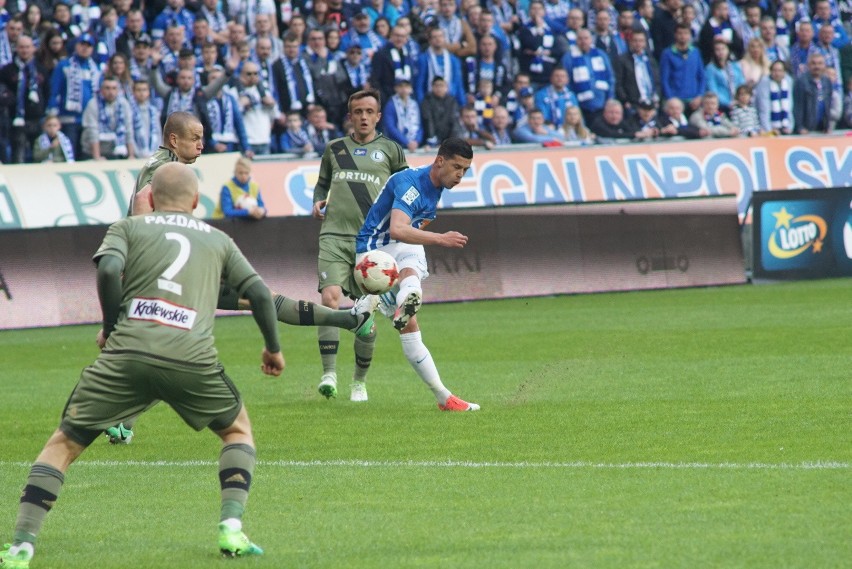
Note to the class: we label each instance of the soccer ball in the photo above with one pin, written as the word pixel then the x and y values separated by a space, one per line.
pixel 376 272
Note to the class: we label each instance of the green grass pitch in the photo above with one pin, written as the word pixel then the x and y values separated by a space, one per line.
pixel 682 428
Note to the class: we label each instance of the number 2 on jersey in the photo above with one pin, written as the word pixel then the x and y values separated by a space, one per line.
pixel 165 281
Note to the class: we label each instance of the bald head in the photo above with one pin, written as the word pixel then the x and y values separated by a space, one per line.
pixel 183 134
pixel 174 187
pixel 179 123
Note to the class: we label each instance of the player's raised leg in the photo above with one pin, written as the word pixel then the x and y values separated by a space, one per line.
pixel 329 320
pixel 409 299
pixel 358 319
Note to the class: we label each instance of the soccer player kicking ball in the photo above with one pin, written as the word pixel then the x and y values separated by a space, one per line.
pixel 157 343
pixel 395 224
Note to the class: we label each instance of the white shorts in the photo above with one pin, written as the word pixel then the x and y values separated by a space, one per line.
pixel 407 256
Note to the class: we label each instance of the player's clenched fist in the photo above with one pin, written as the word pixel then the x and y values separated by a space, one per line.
pixel 454 239
pixel 273 363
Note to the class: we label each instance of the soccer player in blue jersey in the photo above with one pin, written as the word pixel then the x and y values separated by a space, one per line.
pixel 395 224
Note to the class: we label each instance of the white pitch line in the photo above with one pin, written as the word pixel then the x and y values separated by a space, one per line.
pixel 816 465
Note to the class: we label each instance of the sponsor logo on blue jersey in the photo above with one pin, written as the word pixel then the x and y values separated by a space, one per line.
pixel 410 195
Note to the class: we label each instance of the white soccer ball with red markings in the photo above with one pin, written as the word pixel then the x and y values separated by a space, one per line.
pixel 376 272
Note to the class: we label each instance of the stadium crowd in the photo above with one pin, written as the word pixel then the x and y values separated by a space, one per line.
pixel 95 80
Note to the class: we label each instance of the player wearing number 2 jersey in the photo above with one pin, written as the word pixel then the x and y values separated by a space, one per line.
pixel 158 283
pixel 159 311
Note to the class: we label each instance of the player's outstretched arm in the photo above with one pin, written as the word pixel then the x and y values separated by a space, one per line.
pixel 401 230
pixel 263 310
pixel 110 291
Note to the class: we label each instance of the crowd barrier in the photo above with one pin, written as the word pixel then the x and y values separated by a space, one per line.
pixel 47 277
pixel 91 193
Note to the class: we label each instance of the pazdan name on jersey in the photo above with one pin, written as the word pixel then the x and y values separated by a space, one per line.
pixel 179 221
pixel 162 312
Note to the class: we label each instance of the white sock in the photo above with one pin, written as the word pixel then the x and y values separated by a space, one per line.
pixel 406 286
pixel 421 360
pixel 25 546
pixel 232 524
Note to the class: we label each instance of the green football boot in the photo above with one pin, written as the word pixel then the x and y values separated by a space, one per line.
pixel 234 543
pixel 20 559
pixel 119 435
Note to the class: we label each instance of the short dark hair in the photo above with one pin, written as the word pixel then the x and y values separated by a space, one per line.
pixel 716 3
pixel 455 146
pixel 363 94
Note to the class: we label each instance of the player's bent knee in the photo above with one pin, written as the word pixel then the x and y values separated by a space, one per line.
pixel 331 296
pixel 239 430
pixel 76 435
pixel 409 272
pixel 62 449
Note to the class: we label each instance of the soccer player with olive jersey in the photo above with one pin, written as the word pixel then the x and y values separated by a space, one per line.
pixel 352 171
pixel 158 284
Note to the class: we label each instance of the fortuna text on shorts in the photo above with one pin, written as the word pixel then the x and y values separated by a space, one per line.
pixel 162 312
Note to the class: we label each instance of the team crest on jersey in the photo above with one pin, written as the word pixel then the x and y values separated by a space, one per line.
pixel 411 195
pixel 377 156
pixel 360 152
